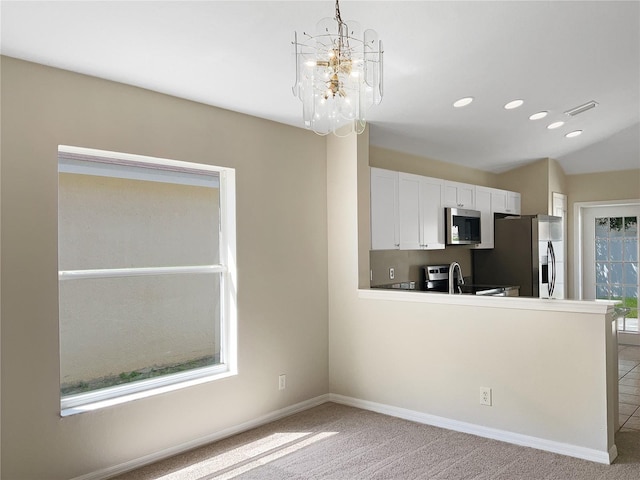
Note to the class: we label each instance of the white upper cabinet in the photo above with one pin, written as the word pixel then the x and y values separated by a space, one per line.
pixel 503 201
pixel 407 210
pixel 421 217
pixel 491 201
pixel 513 203
pixel 384 210
pixel 461 195
pixel 410 214
pixel 432 213
pixel 483 204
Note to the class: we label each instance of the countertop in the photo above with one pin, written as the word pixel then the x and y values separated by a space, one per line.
pixel 517 303
pixel 467 288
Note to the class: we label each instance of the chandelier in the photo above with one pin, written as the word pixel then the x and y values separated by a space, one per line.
pixel 338 75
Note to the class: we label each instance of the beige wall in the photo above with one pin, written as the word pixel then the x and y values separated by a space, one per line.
pixel 282 267
pixel 404 162
pixel 405 355
pixel 557 182
pixel 532 182
pixel 433 359
pixel 591 187
pixel 595 187
pixel 406 263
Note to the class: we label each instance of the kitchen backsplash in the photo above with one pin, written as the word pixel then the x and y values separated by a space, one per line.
pixel 407 263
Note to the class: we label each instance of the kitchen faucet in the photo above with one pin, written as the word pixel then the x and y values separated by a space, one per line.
pixel 452 269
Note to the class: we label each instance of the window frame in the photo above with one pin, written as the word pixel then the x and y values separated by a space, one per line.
pixel 105 163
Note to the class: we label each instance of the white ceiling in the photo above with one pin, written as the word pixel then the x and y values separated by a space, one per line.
pixel 237 55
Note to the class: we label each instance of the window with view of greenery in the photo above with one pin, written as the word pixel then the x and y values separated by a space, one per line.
pixel 145 285
pixel 616 249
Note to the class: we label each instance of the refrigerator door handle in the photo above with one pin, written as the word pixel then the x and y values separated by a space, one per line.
pixel 552 256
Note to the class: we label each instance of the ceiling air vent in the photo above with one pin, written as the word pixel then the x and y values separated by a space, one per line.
pixel 581 108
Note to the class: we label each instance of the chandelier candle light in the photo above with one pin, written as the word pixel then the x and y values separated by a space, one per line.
pixel 338 75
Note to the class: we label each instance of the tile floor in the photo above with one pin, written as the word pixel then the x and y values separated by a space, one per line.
pixel 629 387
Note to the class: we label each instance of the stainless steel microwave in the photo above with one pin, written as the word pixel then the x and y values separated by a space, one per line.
pixel 463 226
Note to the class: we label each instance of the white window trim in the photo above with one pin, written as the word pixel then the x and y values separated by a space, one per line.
pixel 578 240
pixel 211 176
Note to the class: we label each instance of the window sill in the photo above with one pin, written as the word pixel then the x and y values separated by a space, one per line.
pixel 92 401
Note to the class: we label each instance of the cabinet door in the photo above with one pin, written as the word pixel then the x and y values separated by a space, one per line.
pixel 499 201
pixel 384 209
pixel 483 204
pixel 513 202
pixel 459 195
pixel 449 195
pixel 410 212
pixel 432 214
pixel 504 201
pixel 466 196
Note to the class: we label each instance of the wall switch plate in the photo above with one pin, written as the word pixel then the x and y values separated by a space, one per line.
pixel 282 382
pixel 485 396
pixel 392 273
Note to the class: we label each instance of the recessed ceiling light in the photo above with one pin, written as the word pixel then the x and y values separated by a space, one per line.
pixel 539 115
pixel 513 104
pixel 463 102
pixel 553 125
pixel 575 133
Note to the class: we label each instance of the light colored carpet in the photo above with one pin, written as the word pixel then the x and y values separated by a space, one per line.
pixel 337 442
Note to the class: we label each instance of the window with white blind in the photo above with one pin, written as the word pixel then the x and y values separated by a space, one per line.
pixel 146 259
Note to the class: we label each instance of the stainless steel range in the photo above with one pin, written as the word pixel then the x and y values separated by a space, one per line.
pixel 435 278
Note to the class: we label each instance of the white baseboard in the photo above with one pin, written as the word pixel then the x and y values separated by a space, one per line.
pixel 593 455
pixel 184 447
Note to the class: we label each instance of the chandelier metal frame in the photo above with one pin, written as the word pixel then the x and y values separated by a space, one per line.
pixel 338 75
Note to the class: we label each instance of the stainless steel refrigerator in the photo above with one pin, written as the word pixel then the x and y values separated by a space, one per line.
pixel 528 252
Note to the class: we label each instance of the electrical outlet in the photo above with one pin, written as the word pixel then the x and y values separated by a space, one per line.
pixel 485 396
pixel 282 382
pixel 392 273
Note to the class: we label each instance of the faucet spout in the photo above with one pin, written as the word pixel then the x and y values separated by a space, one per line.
pixel 460 281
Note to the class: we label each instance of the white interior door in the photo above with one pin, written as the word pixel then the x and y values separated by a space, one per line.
pixel 610 257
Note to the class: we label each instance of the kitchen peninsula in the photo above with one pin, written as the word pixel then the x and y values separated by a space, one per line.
pixel 551 365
